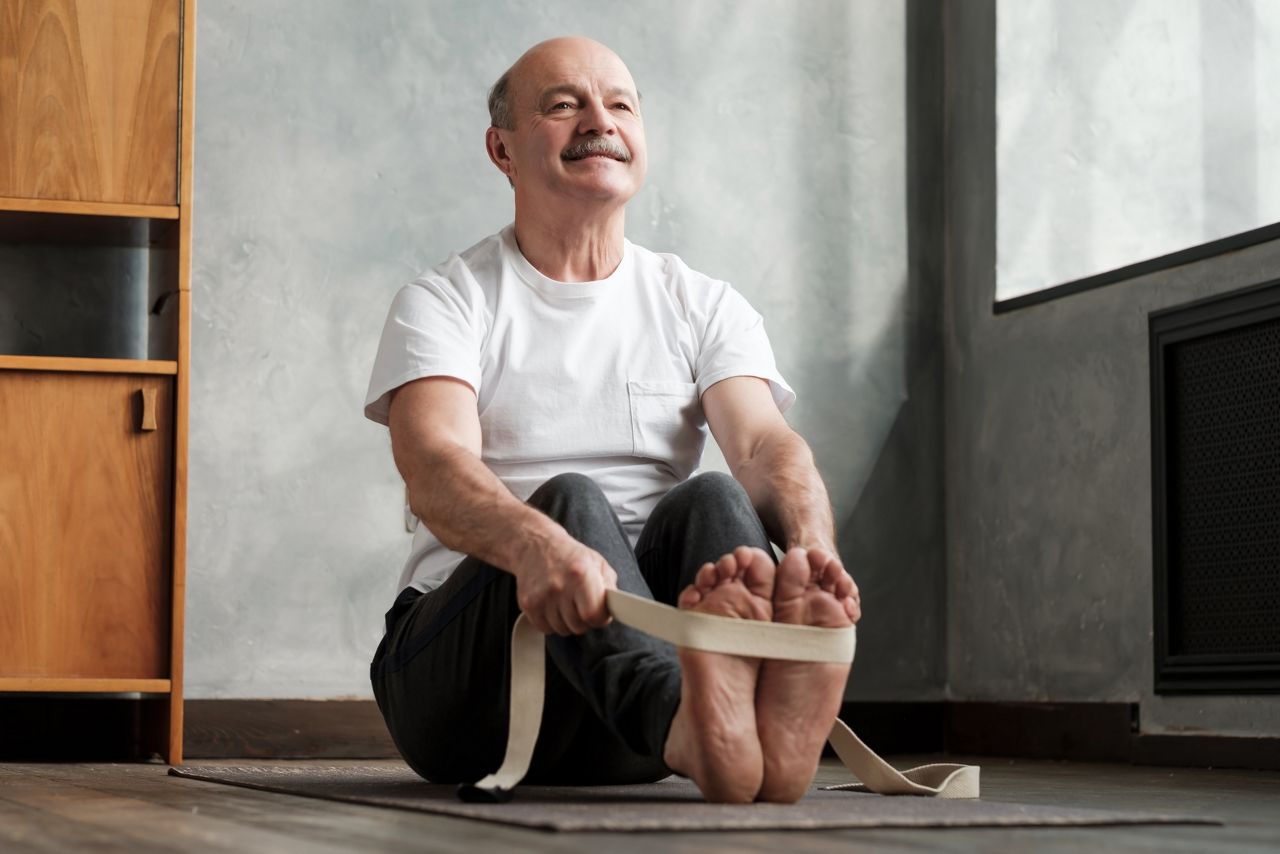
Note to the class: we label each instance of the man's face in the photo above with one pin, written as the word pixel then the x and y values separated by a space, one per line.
pixel 578 128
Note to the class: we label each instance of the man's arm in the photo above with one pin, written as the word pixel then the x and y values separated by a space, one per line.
pixel 435 439
pixel 774 465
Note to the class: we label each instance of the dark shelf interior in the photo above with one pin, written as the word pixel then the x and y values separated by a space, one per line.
pixel 87 286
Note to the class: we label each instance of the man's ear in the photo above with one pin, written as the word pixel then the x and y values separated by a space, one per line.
pixel 498 153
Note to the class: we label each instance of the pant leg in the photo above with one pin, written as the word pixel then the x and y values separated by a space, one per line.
pixel 698 521
pixel 442 673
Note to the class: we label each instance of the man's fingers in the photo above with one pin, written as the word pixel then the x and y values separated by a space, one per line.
pixel 569 616
pixel 538 617
pixel 594 617
pixel 556 623
pixel 589 601
pixel 598 618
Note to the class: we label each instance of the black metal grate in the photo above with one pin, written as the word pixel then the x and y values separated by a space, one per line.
pixel 1224 483
pixel 1216 437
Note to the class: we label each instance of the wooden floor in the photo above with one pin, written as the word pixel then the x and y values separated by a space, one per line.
pixel 74 807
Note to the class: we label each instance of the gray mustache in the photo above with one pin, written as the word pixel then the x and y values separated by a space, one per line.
pixel 597 145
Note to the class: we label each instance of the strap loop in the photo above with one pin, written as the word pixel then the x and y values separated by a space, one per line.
pixel 694 630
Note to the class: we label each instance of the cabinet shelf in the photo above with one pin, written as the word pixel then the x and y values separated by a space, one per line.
pixel 57 206
pixel 45 684
pixel 88 366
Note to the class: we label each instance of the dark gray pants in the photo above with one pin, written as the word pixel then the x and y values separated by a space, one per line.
pixel 442 673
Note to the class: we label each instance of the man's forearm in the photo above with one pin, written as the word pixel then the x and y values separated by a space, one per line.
pixel 471 511
pixel 788 493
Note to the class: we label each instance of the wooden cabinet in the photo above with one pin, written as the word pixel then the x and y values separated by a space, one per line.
pixel 89 100
pixel 96 130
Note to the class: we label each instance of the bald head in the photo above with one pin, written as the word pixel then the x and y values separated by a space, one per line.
pixel 543 58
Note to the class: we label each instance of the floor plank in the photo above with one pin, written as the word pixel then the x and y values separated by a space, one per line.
pixel 94 810
pixel 24 829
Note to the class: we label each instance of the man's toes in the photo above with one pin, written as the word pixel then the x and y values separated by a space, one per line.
pixel 853 609
pixel 745 556
pixel 832 574
pixel 726 567
pixel 792 576
pixel 844 586
pixel 820 563
pixel 758 571
pixel 706 577
pixel 689 597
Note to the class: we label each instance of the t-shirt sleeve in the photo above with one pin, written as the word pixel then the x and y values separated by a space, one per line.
pixel 734 344
pixel 432 330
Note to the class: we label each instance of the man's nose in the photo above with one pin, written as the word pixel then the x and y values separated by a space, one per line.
pixel 596 118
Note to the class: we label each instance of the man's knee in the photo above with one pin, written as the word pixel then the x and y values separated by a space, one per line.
pixel 570 493
pixel 714 489
pixel 569 485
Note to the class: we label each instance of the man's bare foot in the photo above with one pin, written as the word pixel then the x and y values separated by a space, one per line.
pixel 713 737
pixel 796 702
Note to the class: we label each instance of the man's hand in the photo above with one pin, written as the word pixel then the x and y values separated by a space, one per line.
pixel 560 586
pixel 846 589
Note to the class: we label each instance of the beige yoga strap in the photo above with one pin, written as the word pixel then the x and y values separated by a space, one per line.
pixel 706 632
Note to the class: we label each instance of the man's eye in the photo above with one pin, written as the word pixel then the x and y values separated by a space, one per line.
pixel 564 104
pixel 622 106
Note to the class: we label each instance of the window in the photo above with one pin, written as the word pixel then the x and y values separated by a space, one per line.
pixel 1130 131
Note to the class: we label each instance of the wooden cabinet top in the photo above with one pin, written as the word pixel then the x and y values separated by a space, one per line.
pixel 89 100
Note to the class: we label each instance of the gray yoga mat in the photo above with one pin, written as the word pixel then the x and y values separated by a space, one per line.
pixel 672 804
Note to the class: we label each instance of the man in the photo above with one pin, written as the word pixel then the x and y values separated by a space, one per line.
pixel 547 392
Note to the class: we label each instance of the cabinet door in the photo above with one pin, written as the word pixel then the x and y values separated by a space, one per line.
pixel 89 100
pixel 84 525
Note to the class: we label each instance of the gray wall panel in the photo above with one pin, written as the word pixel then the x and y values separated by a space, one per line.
pixel 339 152
pixel 1048 460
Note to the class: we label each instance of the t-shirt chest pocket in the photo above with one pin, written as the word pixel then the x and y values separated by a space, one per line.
pixel 667 422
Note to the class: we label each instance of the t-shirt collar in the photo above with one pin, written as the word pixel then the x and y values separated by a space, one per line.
pixel 565 290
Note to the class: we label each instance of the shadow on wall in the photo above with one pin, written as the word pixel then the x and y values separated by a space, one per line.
pixel 893 536
pixel 848 235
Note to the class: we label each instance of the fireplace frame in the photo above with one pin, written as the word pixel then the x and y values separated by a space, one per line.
pixel 1181 673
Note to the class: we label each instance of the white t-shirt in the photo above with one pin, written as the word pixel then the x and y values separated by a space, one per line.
pixel 603 378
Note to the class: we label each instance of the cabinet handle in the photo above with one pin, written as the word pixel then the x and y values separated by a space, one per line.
pixel 148 396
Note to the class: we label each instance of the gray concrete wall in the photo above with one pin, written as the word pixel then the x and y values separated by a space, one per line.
pixel 1048 471
pixel 339 152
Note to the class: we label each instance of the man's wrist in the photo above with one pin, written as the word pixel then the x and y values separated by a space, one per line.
pixel 536 534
